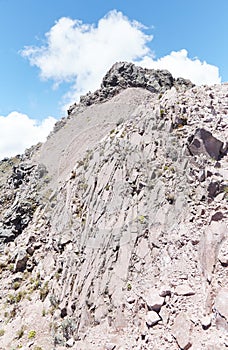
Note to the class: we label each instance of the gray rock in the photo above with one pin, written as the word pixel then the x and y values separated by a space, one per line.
pixel 70 343
pixel 184 289
pixel 221 303
pixel 110 346
pixel 181 331
pixel 152 318
pixel 6 235
pixel 206 322
pixel 153 300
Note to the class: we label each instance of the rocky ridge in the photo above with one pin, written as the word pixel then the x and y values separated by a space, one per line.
pixel 125 246
pixel 123 75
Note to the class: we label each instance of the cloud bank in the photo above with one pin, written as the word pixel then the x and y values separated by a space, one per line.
pixel 18 132
pixel 81 54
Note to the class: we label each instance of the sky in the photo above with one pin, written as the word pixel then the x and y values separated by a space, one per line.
pixel 53 51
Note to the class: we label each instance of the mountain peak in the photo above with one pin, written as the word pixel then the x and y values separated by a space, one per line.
pixel 123 75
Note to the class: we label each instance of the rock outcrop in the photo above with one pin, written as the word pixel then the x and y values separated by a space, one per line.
pixel 114 232
pixel 125 75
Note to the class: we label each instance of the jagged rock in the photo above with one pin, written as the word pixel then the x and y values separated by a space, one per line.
pixel 221 303
pixel 223 253
pixel 6 235
pixel 206 322
pixel 152 318
pixel 181 331
pixel 165 291
pixel 110 346
pixel 21 261
pixel 203 142
pixel 70 343
pixel 213 189
pixel 210 243
pixel 153 300
pixel 184 289
pixel 123 75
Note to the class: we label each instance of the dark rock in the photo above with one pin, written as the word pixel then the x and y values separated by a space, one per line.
pixel 217 216
pixel 21 261
pixel 203 142
pixel 123 75
pixel 213 189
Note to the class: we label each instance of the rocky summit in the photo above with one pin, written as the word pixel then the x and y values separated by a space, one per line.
pixel 113 233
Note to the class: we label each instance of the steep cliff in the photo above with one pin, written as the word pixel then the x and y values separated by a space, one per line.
pixel 114 232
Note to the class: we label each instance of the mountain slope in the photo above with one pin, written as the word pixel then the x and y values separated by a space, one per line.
pixel 114 232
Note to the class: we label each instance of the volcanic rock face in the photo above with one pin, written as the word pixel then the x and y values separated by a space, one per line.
pixel 114 232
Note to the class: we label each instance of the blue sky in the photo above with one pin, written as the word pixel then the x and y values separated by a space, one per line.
pixel 37 80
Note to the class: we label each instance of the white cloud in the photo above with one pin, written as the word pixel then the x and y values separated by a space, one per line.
pixel 18 132
pixel 180 65
pixel 82 53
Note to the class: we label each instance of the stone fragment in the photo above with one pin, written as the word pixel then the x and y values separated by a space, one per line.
pixel 21 261
pixel 153 300
pixel 206 322
pixel 213 189
pixel 221 303
pixel 201 176
pixel 164 291
pixel 152 318
pixel 30 250
pixel 209 245
pixel 17 277
pixel 6 235
pixel 203 142
pixel 130 300
pixel 181 331
pixel 184 289
pixel 217 216
pixel 110 346
pixel 223 253
pixel 70 343
pixel 65 239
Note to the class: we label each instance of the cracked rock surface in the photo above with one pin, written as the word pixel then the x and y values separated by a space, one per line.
pixel 113 233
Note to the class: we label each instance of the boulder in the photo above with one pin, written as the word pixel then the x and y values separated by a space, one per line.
pixel 152 318
pixel 153 300
pixel 21 261
pixel 181 331
pixel 203 142
pixel 221 303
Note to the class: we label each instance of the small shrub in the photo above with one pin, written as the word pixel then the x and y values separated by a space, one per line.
pixel 141 219
pixel 43 312
pixel 225 189
pixel 162 112
pixel 129 286
pixel 11 267
pixel 16 285
pixel 2 332
pixel 31 334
